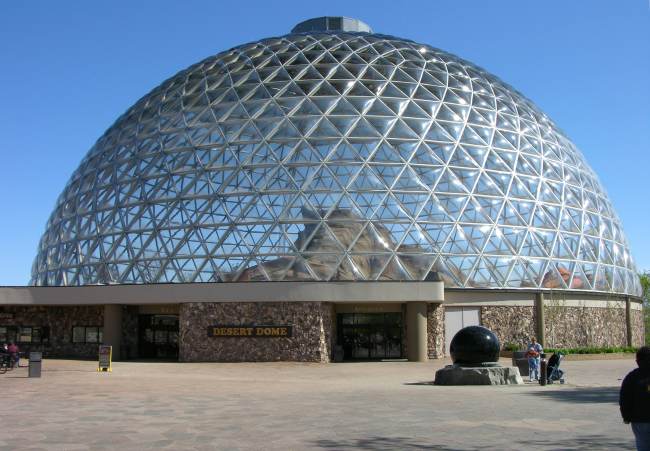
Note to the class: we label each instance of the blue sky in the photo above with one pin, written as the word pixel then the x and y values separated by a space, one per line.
pixel 70 69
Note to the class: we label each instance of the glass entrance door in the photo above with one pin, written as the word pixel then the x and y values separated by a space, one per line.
pixel 368 336
pixel 158 337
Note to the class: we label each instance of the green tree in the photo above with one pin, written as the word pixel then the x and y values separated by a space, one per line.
pixel 645 285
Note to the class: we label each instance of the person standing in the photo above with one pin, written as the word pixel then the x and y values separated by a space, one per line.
pixel 533 353
pixel 634 399
pixel 13 351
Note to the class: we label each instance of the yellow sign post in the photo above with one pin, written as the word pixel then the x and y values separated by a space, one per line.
pixel 105 359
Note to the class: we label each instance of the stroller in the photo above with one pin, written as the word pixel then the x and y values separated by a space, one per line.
pixel 553 371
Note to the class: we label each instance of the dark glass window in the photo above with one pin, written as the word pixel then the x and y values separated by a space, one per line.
pixel 370 335
pixel 87 334
pixel 23 334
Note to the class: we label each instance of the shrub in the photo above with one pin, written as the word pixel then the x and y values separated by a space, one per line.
pixel 511 347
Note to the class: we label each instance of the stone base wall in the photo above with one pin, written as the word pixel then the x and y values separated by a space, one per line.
pixel 638 328
pixel 436 331
pixel 512 325
pixel 327 332
pixel 59 321
pixel 311 340
pixel 572 327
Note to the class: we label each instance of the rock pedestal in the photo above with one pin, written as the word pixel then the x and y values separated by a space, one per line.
pixel 485 375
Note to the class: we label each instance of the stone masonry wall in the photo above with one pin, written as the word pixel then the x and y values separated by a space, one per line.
pixel 327 338
pixel 570 327
pixel 436 331
pixel 513 325
pixel 60 321
pixel 638 329
pixel 311 340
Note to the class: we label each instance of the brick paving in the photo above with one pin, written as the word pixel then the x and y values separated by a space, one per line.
pixel 375 406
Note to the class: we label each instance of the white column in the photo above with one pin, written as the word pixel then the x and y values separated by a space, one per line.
pixel 416 331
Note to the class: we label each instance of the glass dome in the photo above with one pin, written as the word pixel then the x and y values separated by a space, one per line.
pixel 336 155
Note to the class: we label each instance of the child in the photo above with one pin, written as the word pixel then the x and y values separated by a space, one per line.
pixel 533 354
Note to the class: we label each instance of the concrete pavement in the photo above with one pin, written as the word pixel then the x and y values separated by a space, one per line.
pixel 376 406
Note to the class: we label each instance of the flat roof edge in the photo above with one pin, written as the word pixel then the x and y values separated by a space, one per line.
pixel 384 291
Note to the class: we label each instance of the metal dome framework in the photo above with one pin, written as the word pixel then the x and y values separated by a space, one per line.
pixel 336 156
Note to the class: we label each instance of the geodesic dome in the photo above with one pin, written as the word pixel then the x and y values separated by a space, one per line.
pixel 336 155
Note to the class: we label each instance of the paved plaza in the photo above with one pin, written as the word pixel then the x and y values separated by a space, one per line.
pixel 376 406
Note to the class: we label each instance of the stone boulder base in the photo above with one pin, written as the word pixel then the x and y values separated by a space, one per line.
pixel 494 375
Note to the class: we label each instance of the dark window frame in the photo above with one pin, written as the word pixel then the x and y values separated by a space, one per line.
pixel 44 335
pixel 100 335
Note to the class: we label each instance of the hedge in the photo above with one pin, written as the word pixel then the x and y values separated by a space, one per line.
pixel 592 350
pixel 584 350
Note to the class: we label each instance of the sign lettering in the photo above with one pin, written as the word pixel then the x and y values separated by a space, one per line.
pixel 254 330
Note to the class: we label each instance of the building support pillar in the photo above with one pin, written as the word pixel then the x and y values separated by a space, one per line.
pixel 628 320
pixel 540 323
pixel 113 328
pixel 416 331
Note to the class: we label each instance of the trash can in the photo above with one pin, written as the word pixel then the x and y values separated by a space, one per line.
pixel 35 360
pixel 520 360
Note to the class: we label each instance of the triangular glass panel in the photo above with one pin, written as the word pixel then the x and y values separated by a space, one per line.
pixel 476 212
pixel 363 129
pixel 366 179
pixel 409 181
pixel 344 172
pixel 324 179
pixel 450 183
pixel 390 209
pixel 483 275
pixel 355 267
pixel 387 173
pixel 412 202
pixel 437 133
pixel 325 129
pixel 461 158
pixel 378 108
pixel 382 124
pixel 394 270
pixel 367 202
pixel 402 131
pixel 344 152
pixel 554 279
pixel 343 123
pixel 324 201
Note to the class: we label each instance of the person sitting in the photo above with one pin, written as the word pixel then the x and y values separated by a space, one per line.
pixel 533 354
pixel 13 351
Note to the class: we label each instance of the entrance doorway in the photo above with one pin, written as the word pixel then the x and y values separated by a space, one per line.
pixel 370 336
pixel 458 317
pixel 158 337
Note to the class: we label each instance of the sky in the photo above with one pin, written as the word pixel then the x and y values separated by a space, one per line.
pixel 69 69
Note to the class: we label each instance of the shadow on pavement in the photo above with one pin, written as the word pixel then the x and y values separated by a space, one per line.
pixel 583 395
pixel 381 443
pixel 585 442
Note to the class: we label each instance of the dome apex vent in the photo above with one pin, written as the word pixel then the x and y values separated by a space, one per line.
pixel 332 23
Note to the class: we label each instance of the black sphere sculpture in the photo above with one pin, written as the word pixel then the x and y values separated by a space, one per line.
pixel 475 346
